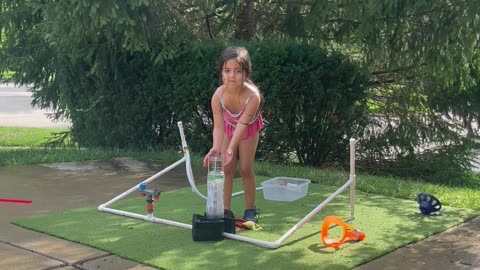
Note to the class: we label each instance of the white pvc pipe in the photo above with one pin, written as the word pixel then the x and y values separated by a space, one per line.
pixel 188 227
pixel 352 179
pixel 242 192
pixel 147 218
pixel 261 243
pixel 271 245
pixel 148 180
pixel 182 136
pixel 313 213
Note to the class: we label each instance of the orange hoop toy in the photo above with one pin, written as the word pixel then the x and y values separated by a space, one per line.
pixel 349 232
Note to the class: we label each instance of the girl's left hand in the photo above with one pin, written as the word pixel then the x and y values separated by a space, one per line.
pixel 228 157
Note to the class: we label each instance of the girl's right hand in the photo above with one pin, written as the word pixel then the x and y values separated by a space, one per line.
pixel 211 153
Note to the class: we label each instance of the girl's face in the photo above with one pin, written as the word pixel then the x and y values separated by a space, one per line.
pixel 233 74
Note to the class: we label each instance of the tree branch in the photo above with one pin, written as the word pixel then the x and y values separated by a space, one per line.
pixel 209 29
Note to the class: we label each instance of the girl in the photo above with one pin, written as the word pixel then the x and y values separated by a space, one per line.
pixel 236 124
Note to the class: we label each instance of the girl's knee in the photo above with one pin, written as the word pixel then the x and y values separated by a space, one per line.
pixel 246 172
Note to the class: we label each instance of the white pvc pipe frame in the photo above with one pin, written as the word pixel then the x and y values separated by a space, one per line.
pixel 186 158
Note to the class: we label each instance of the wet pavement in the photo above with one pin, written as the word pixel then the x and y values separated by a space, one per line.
pixel 62 186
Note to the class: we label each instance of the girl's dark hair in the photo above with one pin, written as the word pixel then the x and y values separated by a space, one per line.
pixel 240 54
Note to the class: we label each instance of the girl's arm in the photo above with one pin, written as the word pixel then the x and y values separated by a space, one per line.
pixel 217 129
pixel 247 117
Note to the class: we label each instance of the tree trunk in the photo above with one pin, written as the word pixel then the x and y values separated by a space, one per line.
pixel 245 25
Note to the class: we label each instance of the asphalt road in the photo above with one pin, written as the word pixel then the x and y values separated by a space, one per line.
pixel 16 110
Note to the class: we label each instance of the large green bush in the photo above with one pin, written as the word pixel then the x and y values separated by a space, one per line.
pixel 315 102
pixel 186 83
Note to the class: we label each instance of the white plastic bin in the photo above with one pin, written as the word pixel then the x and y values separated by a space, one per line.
pixel 285 189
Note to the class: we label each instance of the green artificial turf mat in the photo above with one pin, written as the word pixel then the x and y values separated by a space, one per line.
pixel 388 223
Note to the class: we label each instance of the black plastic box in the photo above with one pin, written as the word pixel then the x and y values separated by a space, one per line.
pixel 229 225
pixel 206 229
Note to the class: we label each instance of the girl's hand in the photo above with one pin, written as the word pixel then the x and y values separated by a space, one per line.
pixel 228 157
pixel 211 153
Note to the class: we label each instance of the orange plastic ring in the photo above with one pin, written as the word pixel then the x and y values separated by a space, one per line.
pixel 349 232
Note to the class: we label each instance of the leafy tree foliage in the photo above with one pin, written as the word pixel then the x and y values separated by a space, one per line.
pixel 423 56
pixel 47 43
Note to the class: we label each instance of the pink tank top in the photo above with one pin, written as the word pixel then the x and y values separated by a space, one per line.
pixel 230 119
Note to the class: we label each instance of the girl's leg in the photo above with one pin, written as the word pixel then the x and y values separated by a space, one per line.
pixel 247 149
pixel 229 172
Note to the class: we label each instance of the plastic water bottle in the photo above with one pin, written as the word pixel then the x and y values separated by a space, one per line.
pixel 215 181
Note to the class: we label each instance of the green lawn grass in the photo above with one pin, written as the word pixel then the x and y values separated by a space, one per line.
pixel 26 137
pixel 7 75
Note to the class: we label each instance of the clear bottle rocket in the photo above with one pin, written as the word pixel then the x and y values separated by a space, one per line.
pixel 215 182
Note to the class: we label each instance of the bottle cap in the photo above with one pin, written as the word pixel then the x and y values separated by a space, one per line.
pixel 215 158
